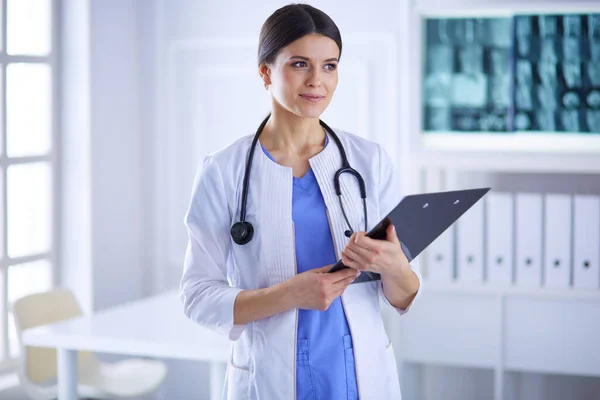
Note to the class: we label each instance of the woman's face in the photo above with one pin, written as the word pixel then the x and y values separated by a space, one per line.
pixel 304 75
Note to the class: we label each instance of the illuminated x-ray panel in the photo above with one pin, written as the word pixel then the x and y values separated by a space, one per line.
pixel 527 73
pixel 467 74
pixel 557 73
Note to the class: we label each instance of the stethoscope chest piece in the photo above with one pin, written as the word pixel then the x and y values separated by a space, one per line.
pixel 242 232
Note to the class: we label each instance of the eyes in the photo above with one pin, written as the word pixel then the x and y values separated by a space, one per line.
pixel 303 64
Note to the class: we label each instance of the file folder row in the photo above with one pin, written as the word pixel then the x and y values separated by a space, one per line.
pixel 522 239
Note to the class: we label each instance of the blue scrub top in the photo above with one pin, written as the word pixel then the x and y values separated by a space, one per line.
pixel 325 356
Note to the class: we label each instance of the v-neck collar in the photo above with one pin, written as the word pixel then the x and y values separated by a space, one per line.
pixel 309 176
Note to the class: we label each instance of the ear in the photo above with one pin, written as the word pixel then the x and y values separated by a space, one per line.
pixel 265 73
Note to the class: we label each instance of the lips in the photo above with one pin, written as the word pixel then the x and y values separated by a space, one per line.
pixel 312 97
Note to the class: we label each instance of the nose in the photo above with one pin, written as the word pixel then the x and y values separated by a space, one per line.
pixel 314 80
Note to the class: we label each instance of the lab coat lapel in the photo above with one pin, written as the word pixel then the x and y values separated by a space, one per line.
pixel 277 238
pixel 325 165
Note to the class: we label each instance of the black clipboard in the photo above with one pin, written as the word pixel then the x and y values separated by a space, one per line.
pixel 419 219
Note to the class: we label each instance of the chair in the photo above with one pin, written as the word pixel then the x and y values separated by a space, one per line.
pixel 97 379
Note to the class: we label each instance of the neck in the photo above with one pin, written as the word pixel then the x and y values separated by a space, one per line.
pixel 287 132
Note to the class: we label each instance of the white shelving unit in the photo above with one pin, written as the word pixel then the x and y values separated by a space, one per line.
pixel 502 331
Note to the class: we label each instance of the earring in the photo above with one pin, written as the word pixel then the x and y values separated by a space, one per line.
pixel 266 86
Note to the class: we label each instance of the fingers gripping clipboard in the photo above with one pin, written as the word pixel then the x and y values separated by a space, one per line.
pixel 419 219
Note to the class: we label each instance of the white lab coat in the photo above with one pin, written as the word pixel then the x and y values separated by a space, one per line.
pixel 262 361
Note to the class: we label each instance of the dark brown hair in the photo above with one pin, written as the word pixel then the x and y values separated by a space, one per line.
pixel 290 23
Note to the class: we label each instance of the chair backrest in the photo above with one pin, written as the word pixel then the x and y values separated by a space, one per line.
pixel 42 309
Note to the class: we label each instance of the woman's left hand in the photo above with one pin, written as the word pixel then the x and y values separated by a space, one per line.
pixel 382 256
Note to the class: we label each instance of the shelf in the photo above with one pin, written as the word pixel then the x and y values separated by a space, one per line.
pixel 457 288
pixel 547 331
pixel 417 360
pixel 555 143
pixel 507 162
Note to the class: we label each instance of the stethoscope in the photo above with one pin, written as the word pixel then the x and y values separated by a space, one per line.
pixel 243 231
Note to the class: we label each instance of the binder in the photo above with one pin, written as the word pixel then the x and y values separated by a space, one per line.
pixel 557 241
pixel 528 220
pixel 469 240
pixel 440 258
pixel 586 242
pixel 499 238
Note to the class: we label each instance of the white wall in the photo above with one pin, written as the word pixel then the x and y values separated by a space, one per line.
pixel 107 90
pixel 101 162
pixel 75 268
pixel 117 203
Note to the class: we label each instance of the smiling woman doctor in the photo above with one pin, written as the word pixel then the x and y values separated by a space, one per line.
pixel 265 224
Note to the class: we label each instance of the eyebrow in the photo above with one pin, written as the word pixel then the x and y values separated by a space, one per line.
pixel 308 59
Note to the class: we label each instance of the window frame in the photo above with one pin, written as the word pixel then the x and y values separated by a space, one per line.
pixel 7 362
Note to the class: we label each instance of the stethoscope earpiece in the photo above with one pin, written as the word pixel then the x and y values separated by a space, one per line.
pixel 242 232
pixel 348 233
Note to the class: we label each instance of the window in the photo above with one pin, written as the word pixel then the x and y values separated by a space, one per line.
pixel 27 159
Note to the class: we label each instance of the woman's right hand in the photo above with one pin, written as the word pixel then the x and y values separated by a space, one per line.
pixel 313 290
pixel 316 289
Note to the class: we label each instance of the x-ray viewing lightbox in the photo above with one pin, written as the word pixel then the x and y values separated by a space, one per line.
pixel 515 82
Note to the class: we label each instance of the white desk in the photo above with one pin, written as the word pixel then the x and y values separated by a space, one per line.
pixel 153 327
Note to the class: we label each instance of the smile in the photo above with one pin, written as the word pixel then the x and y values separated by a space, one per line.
pixel 312 97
